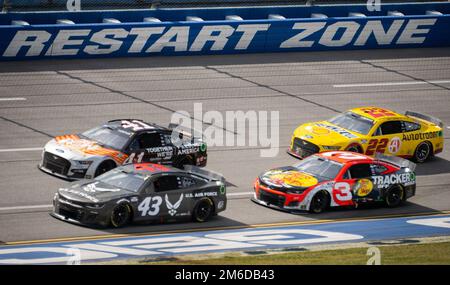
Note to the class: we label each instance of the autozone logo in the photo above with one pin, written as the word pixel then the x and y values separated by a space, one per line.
pixel 178 39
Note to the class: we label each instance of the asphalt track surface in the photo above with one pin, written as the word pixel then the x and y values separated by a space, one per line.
pixel 42 99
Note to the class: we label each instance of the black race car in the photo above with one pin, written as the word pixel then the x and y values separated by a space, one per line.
pixel 116 142
pixel 141 193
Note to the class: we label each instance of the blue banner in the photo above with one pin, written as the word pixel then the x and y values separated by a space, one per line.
pixel 221 31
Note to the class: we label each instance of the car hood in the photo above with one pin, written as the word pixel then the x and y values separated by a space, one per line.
pixel 289 177
pixel 91 191
pixel 75 148
pixel 324 133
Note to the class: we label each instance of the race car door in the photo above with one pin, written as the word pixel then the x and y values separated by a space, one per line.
pixel 150 147
pixel 386 139
pixel 356 184
pixel 172 190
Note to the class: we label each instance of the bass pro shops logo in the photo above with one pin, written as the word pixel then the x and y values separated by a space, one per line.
pixel 141 40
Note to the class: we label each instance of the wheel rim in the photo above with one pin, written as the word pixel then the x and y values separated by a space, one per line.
pixel 203 211
pixel 353 148
pixel 319 202
pixel 395 197
pixel 423 151
pixel 120 215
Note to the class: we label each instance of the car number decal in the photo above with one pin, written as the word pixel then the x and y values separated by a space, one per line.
pixel 150 206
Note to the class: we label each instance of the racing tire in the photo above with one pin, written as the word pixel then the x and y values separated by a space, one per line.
pixel 120 215
pixel 203 210
pixel 354 148
pixel 105 166
pixel 319 202
pixel 423 152
pixel 394 196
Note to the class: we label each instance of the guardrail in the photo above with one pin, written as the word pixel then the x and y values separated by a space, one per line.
pixel 221 30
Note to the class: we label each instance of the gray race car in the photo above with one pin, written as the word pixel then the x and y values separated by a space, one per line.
pixel 142 192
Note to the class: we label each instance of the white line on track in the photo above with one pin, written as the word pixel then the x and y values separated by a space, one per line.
pixel 32 207
pixel 391 83
pixel 20 149
pixel 13 99
pixel 25 207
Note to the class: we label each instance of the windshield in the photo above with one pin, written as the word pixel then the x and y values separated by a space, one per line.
pixel 107 137
pixel 353 122
pixel 123 180
pixel 318 166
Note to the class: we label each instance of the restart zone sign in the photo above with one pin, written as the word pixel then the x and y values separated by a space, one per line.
pixel 221 37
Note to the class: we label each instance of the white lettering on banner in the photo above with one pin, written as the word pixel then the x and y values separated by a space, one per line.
pixel 33 39
pixel 50 252
pixel 308 29
pixel 102 38
pixel 381 36
pixel 70 42
pixel 181 35
pixel 412 29
pixel 433 222
pixel 328 38
pixel 248 34
pixel 220 39
pixel 142 37
pixel 63 38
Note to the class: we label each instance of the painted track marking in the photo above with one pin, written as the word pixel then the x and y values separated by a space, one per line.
pixel 390 83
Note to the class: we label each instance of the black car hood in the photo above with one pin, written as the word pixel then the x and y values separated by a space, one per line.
pixel 289 177
pixel 91 191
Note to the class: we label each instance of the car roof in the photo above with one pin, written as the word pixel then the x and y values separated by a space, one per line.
pixel 345 157
pixel 149 169
pixel 377 113
pixel 126 125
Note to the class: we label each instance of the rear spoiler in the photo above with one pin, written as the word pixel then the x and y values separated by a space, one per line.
pixel 395 160
pixel 194 134
pixel 425 117
pixel 207 174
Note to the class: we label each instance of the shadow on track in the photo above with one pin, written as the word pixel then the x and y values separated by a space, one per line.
pixel 437 165
pixel 208 60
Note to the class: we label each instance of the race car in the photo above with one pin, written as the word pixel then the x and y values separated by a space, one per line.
pixel 371 130
pixel 142 192
pixel 336 179
pixel 103 148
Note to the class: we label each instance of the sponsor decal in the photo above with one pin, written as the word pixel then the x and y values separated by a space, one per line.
pixel 189 38
pixel 394 145
pixel 88 147
pixel 173 207
pixel 421 136
pixel 290 179
pixel 336 129
pixel 201 194
pixel 407 178
pixel 363 187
